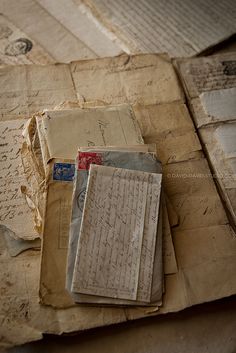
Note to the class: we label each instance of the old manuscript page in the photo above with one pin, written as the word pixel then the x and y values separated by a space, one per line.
pixel 24 28
pixel 13 203
pixel 107 187
pixel 181 28
pixel 205 272
pixel 211 88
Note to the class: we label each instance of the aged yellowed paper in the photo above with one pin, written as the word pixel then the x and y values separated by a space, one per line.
pixel 13 201
pixel 205 272
pixel 211 89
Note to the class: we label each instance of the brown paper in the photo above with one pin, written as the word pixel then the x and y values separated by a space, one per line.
pixel 147 80
pixel 212 100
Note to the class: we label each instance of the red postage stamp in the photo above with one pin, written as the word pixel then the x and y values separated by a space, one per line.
pixel 87 158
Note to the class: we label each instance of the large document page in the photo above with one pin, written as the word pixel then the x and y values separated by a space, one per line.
pixel 13 199
pixel 210 84
pixel 24 28
pixel 181 28
pixel 205 272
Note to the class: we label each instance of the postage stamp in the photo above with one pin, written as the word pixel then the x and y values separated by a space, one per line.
pixel 87 158
pixel 63 171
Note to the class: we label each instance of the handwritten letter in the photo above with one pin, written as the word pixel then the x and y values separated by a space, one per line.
pixel 14 211
pixel 110 241
pixel 110 250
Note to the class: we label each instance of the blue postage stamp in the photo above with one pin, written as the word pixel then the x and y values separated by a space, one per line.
pixel 63 171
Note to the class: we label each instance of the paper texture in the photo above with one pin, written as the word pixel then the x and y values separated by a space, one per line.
pixel 13 203
pixel 24 38
pixel 207 74
pixel 89 29
pixel 55 238
pixel 130 148
pixel 34 171
pixel 39 131
pixel 179 28
pixel 192 203
pixel 129 79
pixel 15 246
pixel 73 18
pixel 19 101
pixel 221 144
pixel 220 104
pixel 102 267
pixel 18 48
pixel 214 111
pixel 26 318
pixel 169 126
pixel 22 102
pixel 66 130
pixel 169 259
pixel 203 239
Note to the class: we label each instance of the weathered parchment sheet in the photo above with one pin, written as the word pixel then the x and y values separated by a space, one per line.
pixel 91 28
pixel 79 23
pixel 28 89
pixel 194 195
pixel 128 80
pixel 213 103
pixel 207 74
pixel 204 240
pixel 15 246
pixel 172 131
pixel 18 48
pixel 66 130
pixel 24 28
pixel 13 202
pixel 181 28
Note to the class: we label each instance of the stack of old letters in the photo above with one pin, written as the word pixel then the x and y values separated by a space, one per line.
pixel 128 229
pixel 115 227
pixel 114 215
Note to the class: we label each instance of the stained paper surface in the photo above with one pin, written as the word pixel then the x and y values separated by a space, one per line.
pixel 213 101
pixel 13 204
pixel 201 221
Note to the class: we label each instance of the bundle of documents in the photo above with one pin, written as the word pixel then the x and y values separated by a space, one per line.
pixel 126 88
pixel 114 254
